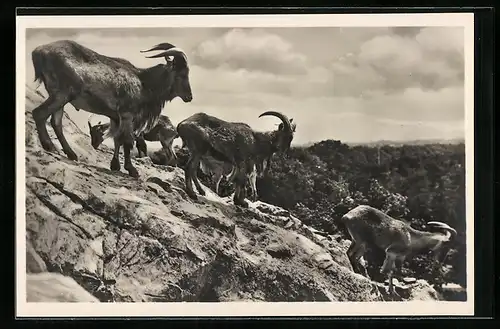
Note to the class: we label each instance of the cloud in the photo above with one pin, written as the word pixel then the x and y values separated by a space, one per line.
pixel 406 31
pixel 427 58
pixel 251 50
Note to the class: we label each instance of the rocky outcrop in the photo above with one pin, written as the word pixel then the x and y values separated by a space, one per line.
pixel 145 240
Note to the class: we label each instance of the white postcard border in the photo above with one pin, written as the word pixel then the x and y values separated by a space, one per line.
pixel 243 309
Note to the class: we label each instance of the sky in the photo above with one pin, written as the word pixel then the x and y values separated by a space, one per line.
pixel 354 84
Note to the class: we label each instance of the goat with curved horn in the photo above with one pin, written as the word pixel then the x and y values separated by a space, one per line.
pixel 131 97
pixel 368 225
pixel 236 143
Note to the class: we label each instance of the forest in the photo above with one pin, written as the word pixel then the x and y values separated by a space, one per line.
pixel 416 183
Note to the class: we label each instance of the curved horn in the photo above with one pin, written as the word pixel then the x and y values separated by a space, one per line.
pixel 443 226
pixel 286 123
pixel 160 46
pixel 176 52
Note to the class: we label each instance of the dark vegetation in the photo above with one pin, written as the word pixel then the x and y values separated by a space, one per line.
pixel 416 183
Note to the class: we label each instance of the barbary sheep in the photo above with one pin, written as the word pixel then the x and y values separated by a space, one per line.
pixel 164 132
pixel 131 97
pixel 369 226
pixel 232 142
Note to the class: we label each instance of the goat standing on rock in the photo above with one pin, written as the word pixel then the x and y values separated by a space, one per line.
pixel 131 97
pixel 232 142
pixel 370 226
pixel 164 132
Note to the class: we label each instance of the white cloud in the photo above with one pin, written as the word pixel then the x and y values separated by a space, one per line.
pixel 253 50
pixel 442 39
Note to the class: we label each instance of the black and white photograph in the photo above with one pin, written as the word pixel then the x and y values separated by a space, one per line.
pixel 258 165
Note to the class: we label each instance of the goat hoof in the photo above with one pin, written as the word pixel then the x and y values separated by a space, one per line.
pixel 192 195
pixel 115 165
pixel 72 156
pixel 133 172
pixel 48 146
pixel 242 204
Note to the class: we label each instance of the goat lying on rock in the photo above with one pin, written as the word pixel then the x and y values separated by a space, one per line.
pixel 164 132
pixel 232 142
pixel 370 226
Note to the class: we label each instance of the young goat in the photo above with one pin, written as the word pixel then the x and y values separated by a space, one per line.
pixel 370 226
pixel 220 169
pixel 232 142
pixel 164 132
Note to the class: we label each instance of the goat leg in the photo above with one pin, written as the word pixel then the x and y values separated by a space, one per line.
pixel 354 253
pixel 174 160
pixel 115 161
pixel 194 168
pixel 41 114
pixel 240 182
pixel 253 180
pixel 127 147
pixel 388 269
pixel 56 122
pixel 169 153
pixel 190 175
pixel 239 195
pixel 127 138
pixel 199 188
pixel 142 148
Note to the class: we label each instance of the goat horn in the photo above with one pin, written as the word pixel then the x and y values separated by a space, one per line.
pixel 443 226
pixel 176 52
pixel 160 46
pixel 286 122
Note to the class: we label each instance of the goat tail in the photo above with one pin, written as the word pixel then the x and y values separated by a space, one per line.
pixel 38 64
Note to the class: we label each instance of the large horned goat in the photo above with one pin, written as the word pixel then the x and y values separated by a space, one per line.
pixel 164 132
pixel 369 226
pixel 131 97
pixel 232 142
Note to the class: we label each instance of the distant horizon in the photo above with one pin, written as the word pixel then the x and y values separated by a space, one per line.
pixel 428 141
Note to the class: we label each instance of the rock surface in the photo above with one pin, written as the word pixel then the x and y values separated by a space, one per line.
pixel 53 287
pixel 143 240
